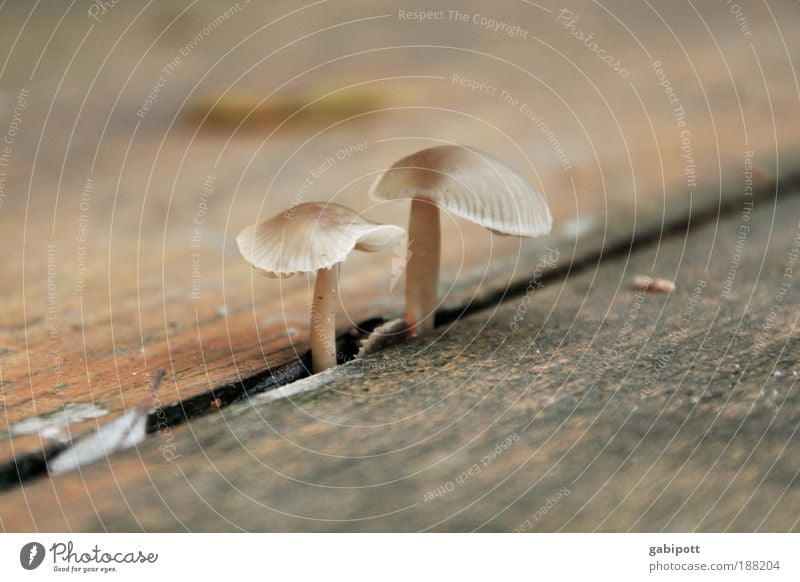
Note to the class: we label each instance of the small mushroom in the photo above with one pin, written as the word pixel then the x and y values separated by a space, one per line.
pixel 468 183
pixel 315 237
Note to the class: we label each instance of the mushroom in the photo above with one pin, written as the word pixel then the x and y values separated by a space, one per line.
pixel 468 183
pixel 315 237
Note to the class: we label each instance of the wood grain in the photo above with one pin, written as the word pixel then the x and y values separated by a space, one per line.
pixel 144 178
pixel 648 421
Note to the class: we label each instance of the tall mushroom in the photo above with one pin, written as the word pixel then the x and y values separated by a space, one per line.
pixel 468 183
pixel 315 237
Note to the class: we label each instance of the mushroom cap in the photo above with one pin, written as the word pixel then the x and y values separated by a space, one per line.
pixel 312 236
pixel 470 184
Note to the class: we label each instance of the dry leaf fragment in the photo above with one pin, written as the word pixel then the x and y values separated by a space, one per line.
pixel 125 431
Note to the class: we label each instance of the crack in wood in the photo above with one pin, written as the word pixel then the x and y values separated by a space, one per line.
pixel 32 465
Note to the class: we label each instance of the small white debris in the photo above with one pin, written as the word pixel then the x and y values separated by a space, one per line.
pixel 299 387
pixel 654 284
pixel 778 374
pixel 123 432
pixel 127 430
pixel 221 310
pixel 52 425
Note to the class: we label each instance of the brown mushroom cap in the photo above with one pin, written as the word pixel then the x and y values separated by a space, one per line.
pixel 312 236
pixel 470 184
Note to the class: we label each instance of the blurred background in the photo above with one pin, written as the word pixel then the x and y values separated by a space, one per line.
pixel 141 137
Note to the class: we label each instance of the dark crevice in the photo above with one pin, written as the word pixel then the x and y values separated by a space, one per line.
pixel 202 404
pixel 28 466
pixel 677 226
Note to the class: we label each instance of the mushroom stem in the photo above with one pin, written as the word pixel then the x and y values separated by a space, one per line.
pixel 422 271
pixel 323 319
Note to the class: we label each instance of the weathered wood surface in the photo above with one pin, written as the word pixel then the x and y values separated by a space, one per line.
pixel 609 408
pixel 142 179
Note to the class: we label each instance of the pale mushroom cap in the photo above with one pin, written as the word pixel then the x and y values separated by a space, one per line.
pixel 312 236
pixel 470 184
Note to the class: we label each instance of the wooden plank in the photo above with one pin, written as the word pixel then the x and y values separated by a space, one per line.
pixel 136 314
pixel 605 409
